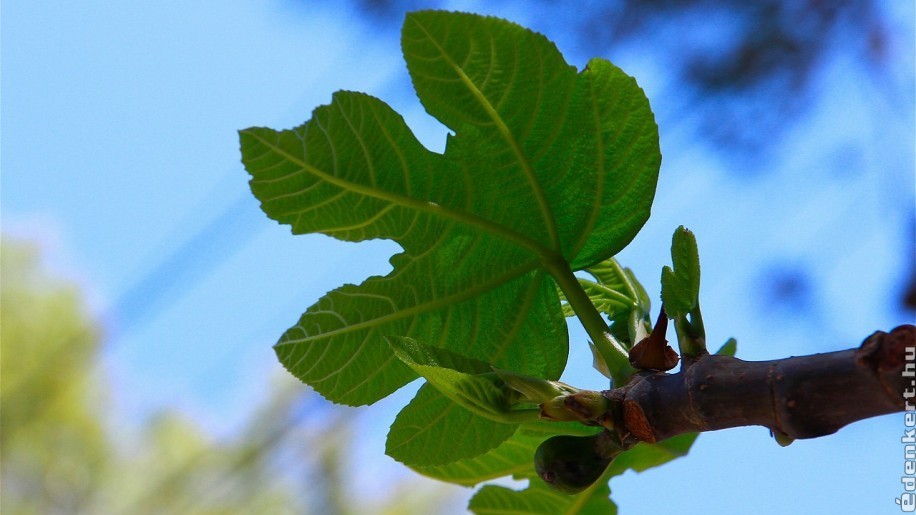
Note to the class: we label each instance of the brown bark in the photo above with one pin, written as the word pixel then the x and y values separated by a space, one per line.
pixel 801 397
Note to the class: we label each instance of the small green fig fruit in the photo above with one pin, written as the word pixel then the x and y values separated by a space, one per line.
pixel 570 464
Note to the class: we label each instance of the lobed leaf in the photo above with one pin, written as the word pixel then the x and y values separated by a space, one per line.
pixel 545 165
pixel 544 161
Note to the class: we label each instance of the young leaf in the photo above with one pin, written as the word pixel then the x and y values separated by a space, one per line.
pixel 533 389
pixel 616 293
pixel 539 499
pixel 423 433
pixel 598 362
pixel 630 325
pixel 645 456
pixel 681 286
pixel 512 458
pixel 515 458
pixel 611 274
pixel 606 299
pixel 470 383
pixel 434 430
pixel 546 168
pixel 728 348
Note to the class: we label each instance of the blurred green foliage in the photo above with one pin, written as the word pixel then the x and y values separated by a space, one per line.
pixel 63 448
pixel 53 448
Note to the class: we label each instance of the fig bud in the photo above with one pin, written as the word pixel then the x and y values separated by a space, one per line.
pixel 570 464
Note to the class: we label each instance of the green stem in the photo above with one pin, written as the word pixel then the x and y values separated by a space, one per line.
pixel 691 334
pixel 698 330
pixel 520 416
pixel 612 351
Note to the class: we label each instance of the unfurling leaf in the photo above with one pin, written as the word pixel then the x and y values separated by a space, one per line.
pixel 585 406
pixel 616 293
pixel 534 389
pixel 728 348
pixel 681 285
pixel 468 382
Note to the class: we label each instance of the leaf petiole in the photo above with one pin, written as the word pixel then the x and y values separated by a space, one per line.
pixel 611 350
pixel 691 334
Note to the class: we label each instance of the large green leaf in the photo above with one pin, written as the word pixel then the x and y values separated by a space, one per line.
pixel 305 177
pixel 578 154
pixel 546 169
pixel 544 164
pixel 513 457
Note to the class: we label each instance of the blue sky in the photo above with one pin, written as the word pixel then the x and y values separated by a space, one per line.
pixel 120 154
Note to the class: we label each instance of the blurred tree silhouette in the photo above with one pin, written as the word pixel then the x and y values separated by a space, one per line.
pixel 738 76
pixel 58 453
pixel 741 70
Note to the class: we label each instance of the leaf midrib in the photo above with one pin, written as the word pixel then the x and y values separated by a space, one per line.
pixel 536 188
pixel 426 206
pixel 456 298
